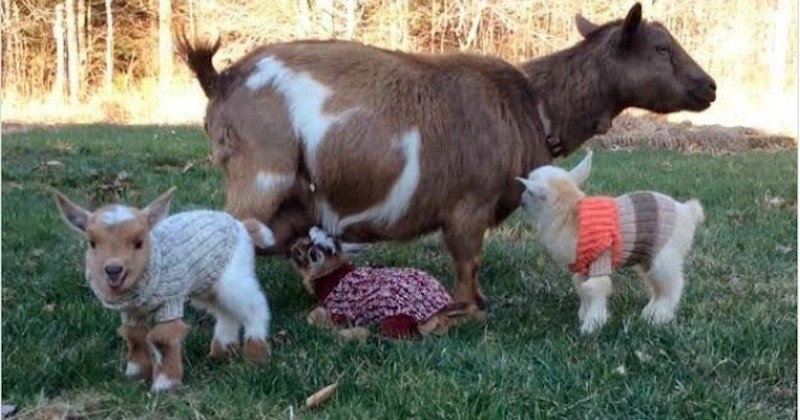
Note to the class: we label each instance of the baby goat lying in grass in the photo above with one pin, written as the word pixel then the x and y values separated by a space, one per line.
pixel 403 302
pixel 143 263
pixel 592 236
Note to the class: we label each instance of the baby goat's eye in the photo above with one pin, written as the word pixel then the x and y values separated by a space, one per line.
pixel 663 49
pixel 91 244
pixel 138 244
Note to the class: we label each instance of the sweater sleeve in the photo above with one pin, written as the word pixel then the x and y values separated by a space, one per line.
pixel 170 310
pixel 601 266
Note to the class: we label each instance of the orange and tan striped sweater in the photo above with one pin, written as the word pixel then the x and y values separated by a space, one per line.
pixel 622 231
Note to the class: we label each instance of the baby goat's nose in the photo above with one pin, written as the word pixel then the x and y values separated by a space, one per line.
pixel 113 270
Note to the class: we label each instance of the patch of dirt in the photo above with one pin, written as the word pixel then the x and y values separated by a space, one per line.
pixel 655 132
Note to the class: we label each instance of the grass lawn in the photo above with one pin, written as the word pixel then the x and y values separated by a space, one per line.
pixel 731 353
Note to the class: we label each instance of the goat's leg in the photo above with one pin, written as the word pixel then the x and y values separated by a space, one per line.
pixel 464 241
pixel 138 365
pixel 166 341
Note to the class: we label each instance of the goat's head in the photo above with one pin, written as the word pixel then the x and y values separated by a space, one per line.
pixel 551 189
pixel 316 255
pixel 651 69
pixel 119 240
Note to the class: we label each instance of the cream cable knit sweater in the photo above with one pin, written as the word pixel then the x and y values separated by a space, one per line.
pixel 188 253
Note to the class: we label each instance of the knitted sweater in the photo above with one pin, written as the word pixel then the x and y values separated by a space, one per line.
pixel 367 295
pixel 622 231
pixel 188 253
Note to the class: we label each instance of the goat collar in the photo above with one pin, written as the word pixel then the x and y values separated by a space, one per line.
pixel 324 285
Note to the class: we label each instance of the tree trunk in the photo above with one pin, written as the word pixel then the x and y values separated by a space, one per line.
pixel 325 12
pixel 72 52
pixel 58 36
pixel 303 18
pixel 164 45
pixel 107 79
pixel 352 16
pixel 81 40
pixel 780 46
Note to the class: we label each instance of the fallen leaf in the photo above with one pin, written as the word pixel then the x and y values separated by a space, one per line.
pixel 49 308
pixel 37 252
pixel 53 163
pixel 620 370
pixel 642 356
pixel 319 397
pixel 783 249
pixel 775 202
pixel 359 334
pixel 187 167
pixel 8 410
pixel 280 337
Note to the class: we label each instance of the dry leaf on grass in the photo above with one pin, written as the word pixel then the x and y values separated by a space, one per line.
pixel 49 308
pixel 37 252
pixel 642 356
pixel 280 337
pixel 319 397
pixel 620 370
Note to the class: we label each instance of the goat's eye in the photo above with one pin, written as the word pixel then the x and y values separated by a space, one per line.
pixel 138 244
pixel 92 244
pixel 663 49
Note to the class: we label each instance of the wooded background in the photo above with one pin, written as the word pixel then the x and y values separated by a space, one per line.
pixel 113 60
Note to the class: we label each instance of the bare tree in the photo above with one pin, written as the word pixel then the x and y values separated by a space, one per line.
pixel 82 44
pixel 72 51
pixel 107 79
pixel 780 46
pixel 303 17
pixel 325 17
pixel 58 36
pixel 164 44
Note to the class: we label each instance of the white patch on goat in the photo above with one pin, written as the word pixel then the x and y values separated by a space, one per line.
pixel 396 203
pixel 267 182
pixel 163 383
pixel 321 238
pixel 117 214
pixel 305 98
pixel 267 237
pixel 132 369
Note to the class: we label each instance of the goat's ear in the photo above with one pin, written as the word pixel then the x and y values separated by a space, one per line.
pixel 159 208
pixel 537 190
pixel 75 216
pixel 581 171
pixel 584 26
pixel 631 24
pixel 315 256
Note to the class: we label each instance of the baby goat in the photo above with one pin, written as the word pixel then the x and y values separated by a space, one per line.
pixel 593 236
pixel 402 302
pixel 143 263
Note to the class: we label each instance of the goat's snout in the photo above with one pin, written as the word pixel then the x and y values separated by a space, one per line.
pixel 114 274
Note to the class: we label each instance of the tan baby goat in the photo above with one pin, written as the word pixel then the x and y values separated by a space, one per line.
pixel 145 264
pixel 592 236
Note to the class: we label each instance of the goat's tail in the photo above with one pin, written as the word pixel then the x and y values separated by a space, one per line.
pixel 197 55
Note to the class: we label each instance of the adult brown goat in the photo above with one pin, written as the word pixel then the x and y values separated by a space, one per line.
pixel 378 145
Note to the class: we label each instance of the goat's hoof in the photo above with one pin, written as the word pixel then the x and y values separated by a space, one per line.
pixel 163 383
pixel 221 351
pixel 359 334
pixel 256 350
pixel 137 371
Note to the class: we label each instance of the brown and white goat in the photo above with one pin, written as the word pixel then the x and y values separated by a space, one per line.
pixel 377 145
pixel 146 264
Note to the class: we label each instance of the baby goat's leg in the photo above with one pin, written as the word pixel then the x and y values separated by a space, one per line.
pixel 226 327
pixel 138 365
pixel 165 341
pixel 577 280
pixel 665 280
pixel 595 291
pixel 239 294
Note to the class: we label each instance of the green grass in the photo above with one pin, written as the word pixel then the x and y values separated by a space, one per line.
pixel 731 353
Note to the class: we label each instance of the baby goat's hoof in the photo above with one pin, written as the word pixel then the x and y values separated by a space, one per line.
pixel 162 383
pixel 135 370
pixel 221 351
pixel 256 350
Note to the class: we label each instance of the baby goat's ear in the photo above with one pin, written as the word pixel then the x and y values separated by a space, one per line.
pixel 159 208
pixel 75 216
pixel 581 171
pixel 539 191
